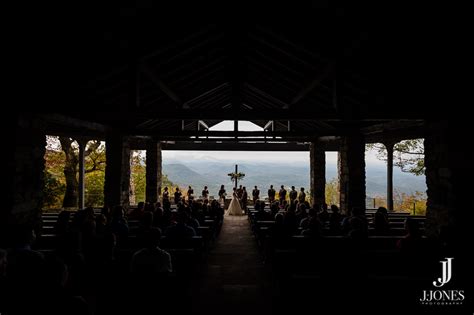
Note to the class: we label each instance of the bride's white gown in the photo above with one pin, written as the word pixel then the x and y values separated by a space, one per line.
pixel 234 207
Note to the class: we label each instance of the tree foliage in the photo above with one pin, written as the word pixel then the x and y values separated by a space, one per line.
pixel 62 160
pixel 332 192
pixel 408 155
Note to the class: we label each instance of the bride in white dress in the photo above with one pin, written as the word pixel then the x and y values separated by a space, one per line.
pixel 234 206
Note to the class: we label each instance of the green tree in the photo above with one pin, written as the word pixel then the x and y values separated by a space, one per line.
pixel 408 155
pixel 53 190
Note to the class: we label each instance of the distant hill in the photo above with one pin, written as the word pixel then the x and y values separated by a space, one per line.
pixel 213 173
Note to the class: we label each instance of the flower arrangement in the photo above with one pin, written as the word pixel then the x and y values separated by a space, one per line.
pixel 236 176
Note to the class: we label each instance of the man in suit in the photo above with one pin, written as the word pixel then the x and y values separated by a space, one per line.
pixel 255 195
pixel 271 194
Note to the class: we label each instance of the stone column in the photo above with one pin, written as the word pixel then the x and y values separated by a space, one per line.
pixel 317 158
pixel 351 168
pixel 81 188
pixel 117 171
pixel 389 147
pixel 449 176
pixel 23 176
pixel 153 171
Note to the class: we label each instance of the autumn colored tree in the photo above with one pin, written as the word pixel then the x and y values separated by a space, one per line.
pixel 332 192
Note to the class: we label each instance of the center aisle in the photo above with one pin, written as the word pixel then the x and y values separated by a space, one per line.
pixel 234 280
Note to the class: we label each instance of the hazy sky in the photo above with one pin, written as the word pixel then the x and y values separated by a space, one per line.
pixel 254 156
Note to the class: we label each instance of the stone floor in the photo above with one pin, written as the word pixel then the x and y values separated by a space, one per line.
pixel 234 280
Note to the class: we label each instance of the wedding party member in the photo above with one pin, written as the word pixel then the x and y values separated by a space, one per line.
pixel 222 194
pixel 271 194
pixel 255 195
pixel 205 193
pixel 293 194
pixel 166 197
pixel 177 196
pixel 190 193
pixel 234 206
pixel 244 199
pixel 302 195
pixel 282 194
pixel 240 192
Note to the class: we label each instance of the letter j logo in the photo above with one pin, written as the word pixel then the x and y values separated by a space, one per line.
pixel 446 273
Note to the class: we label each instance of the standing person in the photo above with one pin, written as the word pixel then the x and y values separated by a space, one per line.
pixel 244 199
pixel 293 194
pixel 282 194
pixel 302 195
pixel 240 191
pixel 190 193
pixel 166 198
pixel 177 196
pixel 222 194
pixel 205 193
pixel 255 195
pixel 271 194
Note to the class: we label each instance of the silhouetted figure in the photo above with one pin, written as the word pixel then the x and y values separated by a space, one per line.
pixel 302 195
pixel 282 194
pixel 313 228
pixel 293 194
pixel 255 195
pixel 177 196
pixel 180 230
pixel 119 226
pixel 244 199
pixel 190 193
pixel 411 243
pixel 222 194
pixel 205 193
pixel 166 198
pixel 335 220
pixel 381 224
pixel 271 194
pixel 306 217
pixel 323 215
pixel 151 260
pixel 137 213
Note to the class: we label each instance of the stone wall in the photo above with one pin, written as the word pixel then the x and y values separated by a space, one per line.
pixel 449 173
pixel 117 171
pixel 351 171
pixel 317 158
pixel 24 173
pixel 153 171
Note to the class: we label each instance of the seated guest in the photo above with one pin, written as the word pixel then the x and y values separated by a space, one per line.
pixel 335 219
pixel 136 214
pixel 151 260
pixel 313 228
pixel 301 213
pixel 305 221
pixel 356 212
pixel 180 229
pixel 290 221
pixel 324 214
pixel 410 244
pixel 119 225
pixel 381 225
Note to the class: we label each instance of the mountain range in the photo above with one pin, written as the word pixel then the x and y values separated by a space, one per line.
pixel 212 173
